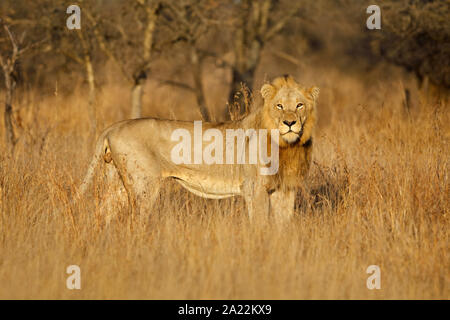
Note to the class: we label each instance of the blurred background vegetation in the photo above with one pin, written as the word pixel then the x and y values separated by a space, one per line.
pixel 183 44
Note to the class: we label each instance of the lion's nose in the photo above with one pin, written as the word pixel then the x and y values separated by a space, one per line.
pixel 289 123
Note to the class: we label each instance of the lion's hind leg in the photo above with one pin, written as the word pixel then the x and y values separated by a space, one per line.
pixel 114 196
pixel 142 191
pixel 146 196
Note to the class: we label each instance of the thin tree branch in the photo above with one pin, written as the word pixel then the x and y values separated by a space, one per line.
pixel 13 43
pixel 72 56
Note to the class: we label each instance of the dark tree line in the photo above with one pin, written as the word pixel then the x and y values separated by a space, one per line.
pixel 35 43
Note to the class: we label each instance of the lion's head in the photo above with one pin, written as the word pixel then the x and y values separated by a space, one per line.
pixel 290 108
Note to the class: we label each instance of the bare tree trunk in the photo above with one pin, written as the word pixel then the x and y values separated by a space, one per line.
pixel 136 100
pixel 141 75
pixel 92 103
pixel 10 136
pixel 249 41
pixel 138 78
pixel 407 101
pixel 198 85
pixel 247 60
pixel 8 65
pixel 253 31
pixel 92 96
pixel 432 93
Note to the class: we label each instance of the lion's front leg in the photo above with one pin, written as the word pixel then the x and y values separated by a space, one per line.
pixel 257 200
pixel 282 204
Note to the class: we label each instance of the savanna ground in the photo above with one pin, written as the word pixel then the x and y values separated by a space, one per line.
pixel 377 194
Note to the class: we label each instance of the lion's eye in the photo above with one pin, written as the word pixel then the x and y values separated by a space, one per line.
pixel 300 105
pixel 279 106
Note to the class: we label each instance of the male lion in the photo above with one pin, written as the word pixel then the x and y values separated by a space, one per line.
pixel 140 151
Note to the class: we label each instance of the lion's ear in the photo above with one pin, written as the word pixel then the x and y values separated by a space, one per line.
pixel 314 92
pixel 267 91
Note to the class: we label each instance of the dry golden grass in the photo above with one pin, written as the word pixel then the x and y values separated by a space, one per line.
pixel 378 193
